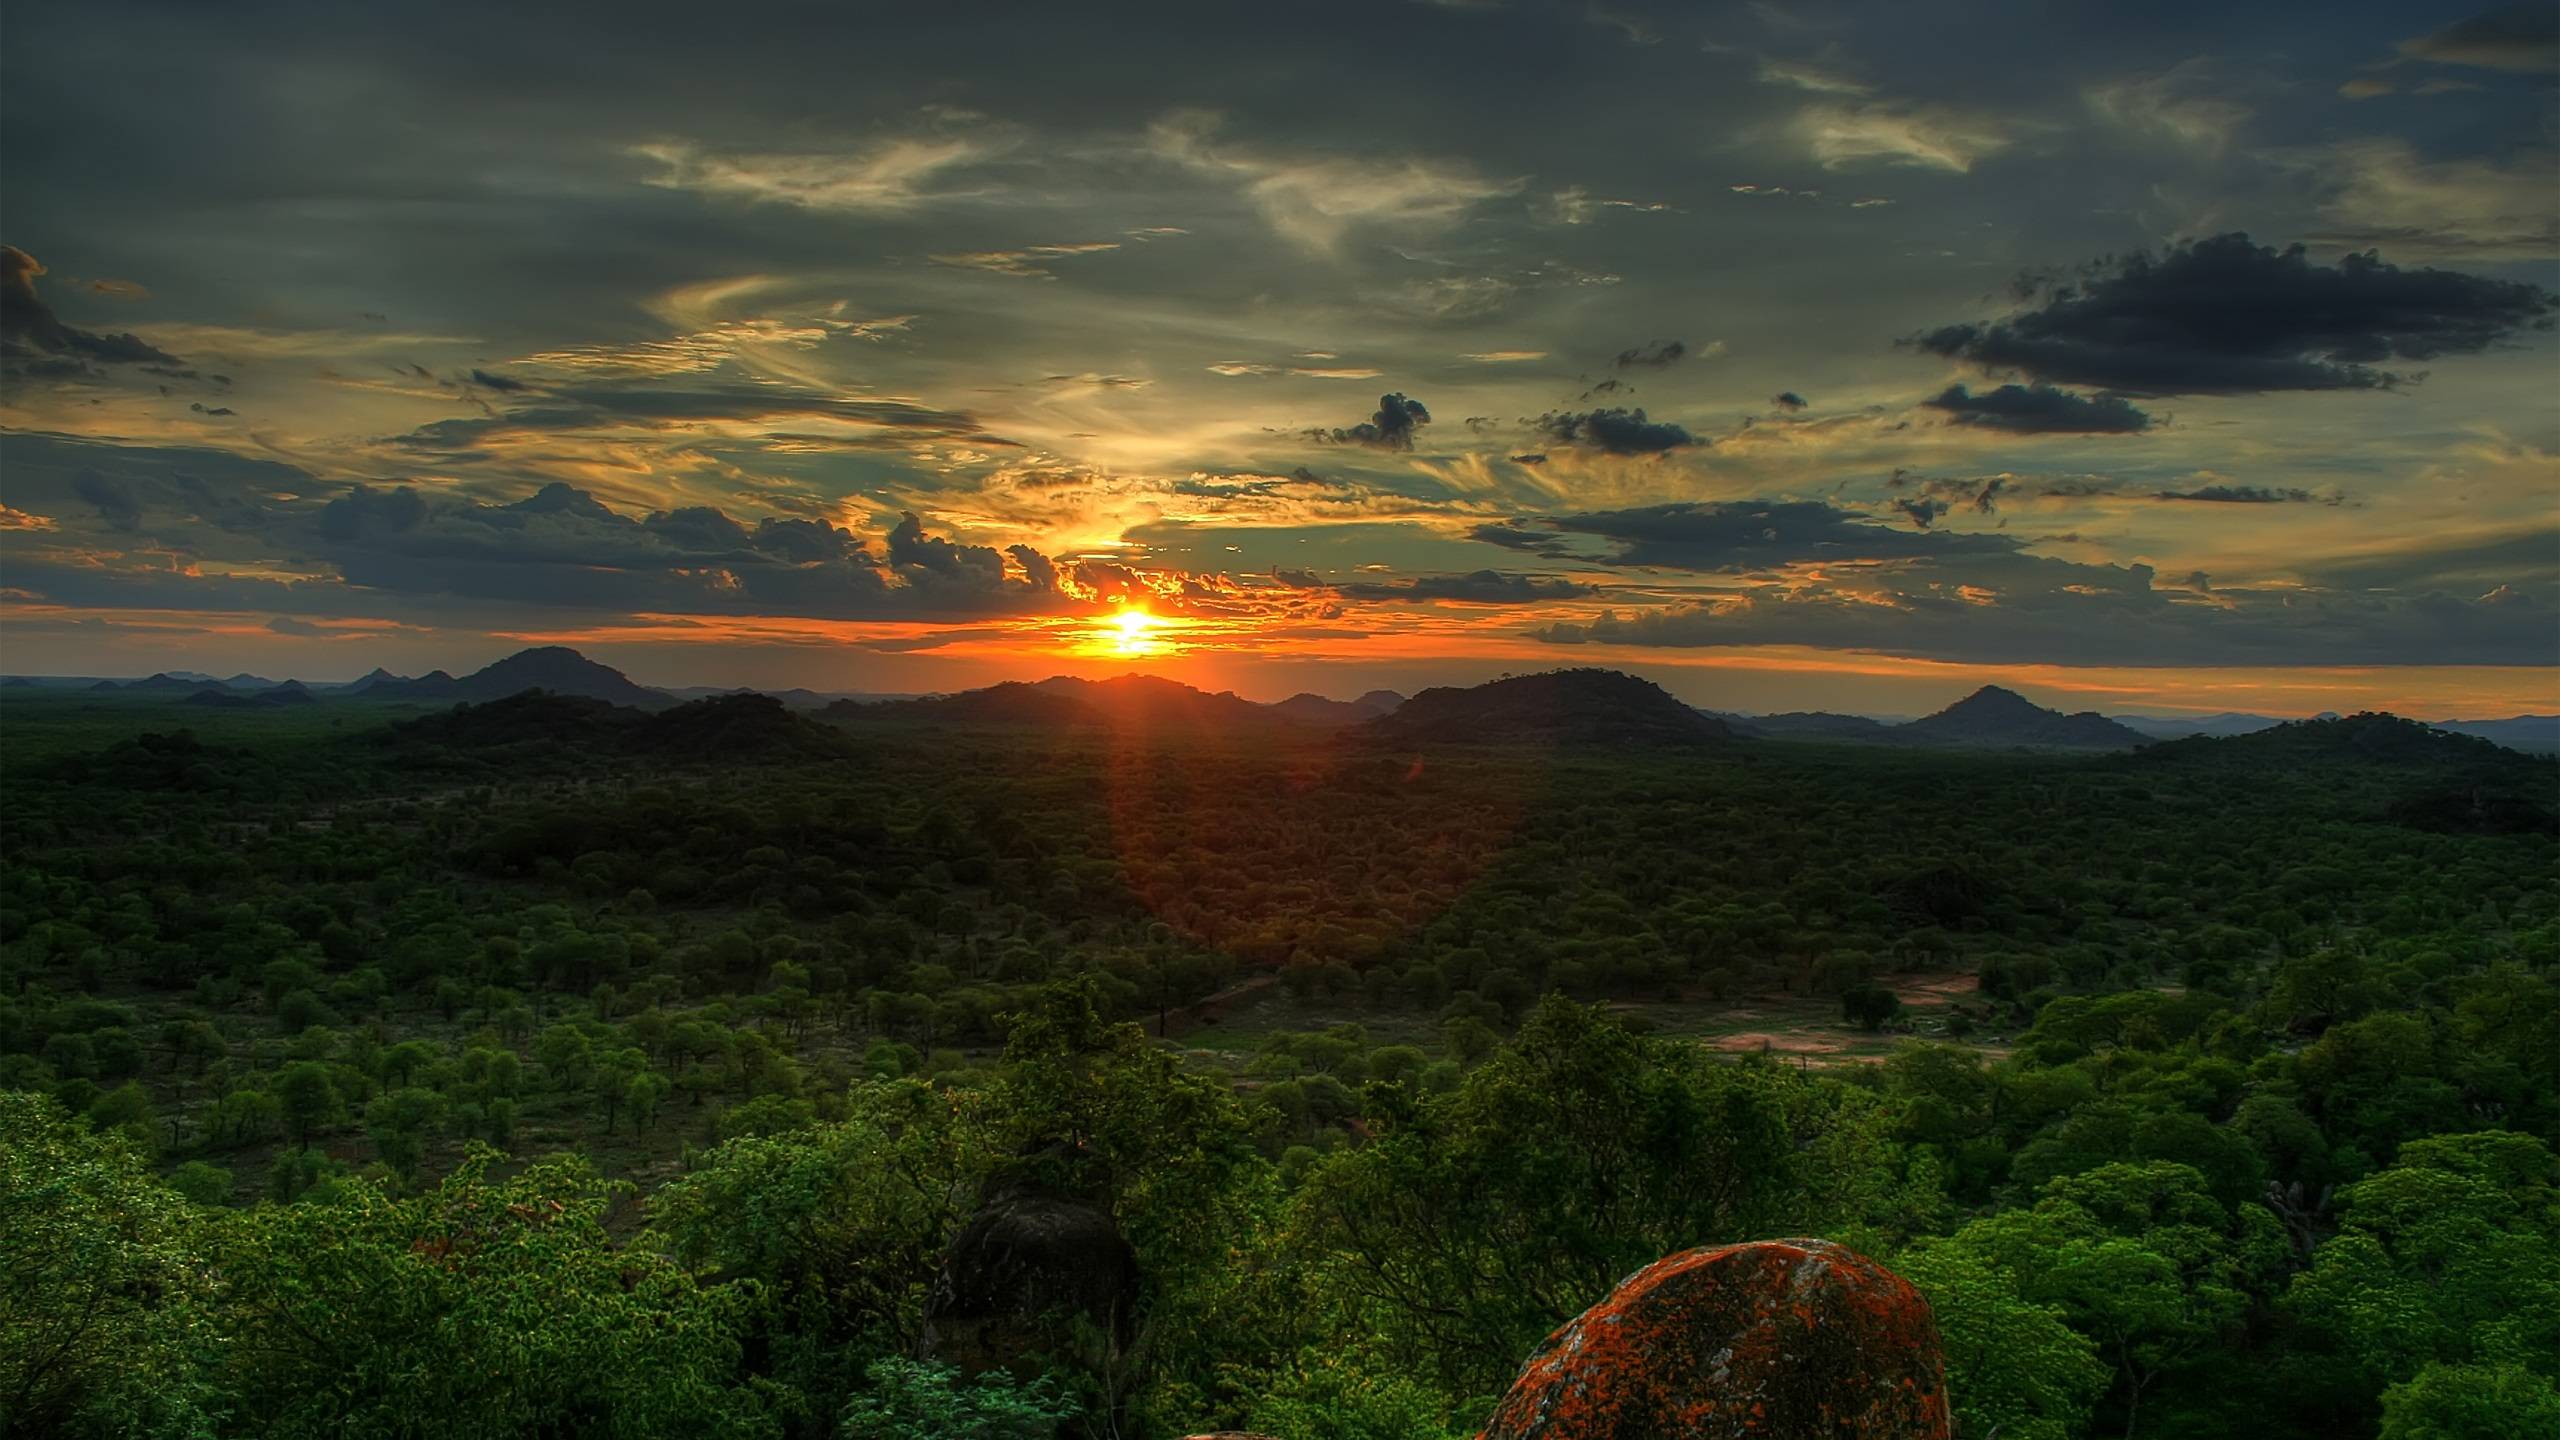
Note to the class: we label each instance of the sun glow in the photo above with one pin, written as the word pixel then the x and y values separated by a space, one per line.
pixel 1132 632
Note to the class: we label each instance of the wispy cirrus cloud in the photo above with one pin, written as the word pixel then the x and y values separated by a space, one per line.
pixel 877 176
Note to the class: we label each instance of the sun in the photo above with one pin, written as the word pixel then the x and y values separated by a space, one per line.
pixel 1132 632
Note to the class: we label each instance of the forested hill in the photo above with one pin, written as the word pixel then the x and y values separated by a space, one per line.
pixel 1585 707
pixel 549 1066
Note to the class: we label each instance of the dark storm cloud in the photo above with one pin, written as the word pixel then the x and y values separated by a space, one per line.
pixel 1481 587
pixel 1617 431
pixel 2040 410
pixel 562 546
pixel 2245 495
pixel 2226 316
pixel 1923 512
pixel 1736 536
pixel 490 381
pixel 114 500
pixel 29 329
pixel 1658 355
pixel 1787 400
pixel 1391 428
pixel 2522 38
pixel 420 551
pixel 596 407
pixel 1980 494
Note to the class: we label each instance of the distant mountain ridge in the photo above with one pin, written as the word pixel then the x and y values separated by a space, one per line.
pixel 1993 717
pixel 1581 706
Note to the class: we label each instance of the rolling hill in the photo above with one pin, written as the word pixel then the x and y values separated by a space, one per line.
pixel 1998 719
pixel 1566 707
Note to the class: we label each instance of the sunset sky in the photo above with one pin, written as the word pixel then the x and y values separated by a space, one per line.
pixel 1826 356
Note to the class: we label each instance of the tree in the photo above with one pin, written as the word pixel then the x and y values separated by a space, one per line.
pixel 2450 1257
pixel 101 1284
pixel 307 1099
pixel 836 1230
pixel 1476 1220
pixel 2015 1368
pixel 496 1307
pixel 2472 1402
pixel 919 1400
pixel 399 1123
pixel 2142 1260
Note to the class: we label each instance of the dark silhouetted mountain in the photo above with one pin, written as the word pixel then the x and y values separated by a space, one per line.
pixel 2179 727
pixel 17 682
pixel 246 681
pixel 165 683
pixel 530 724
pixel 1014 704
pixel 736 727
pixel 2372 738
pixel 554 670
pixel 274 697
pixel 2433 779
pixel 796 697
pixel 1559 707
pixel 536 727
pixel 1994 718
pixel 2533 734
pixel 1148 702
pixel 435 686
pixel 1811 725
pixel 1309 708
pixel 215 698
pixel 1134 703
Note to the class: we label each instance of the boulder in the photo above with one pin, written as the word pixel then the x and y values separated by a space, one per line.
pixel 1777 1340
pixel 1033 1276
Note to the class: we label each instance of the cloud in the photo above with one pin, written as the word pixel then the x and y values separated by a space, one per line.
pixel 561 546
pixel 2043 611
pixel 1315 201
pixel 2225 316
pixel 1788 400
pixel 2182 104
pixel 1481 587
pixel 1659 355
pixel 2524 39
pixel 1802 76
pixel 2246 495
pixel 2040 410
pixel 114 500
pixel 490 381
pixel 1504 357
pixel 1027 263
pixel 1734 536
pixel 30 329
pixel 2379 192
pixel 885 177
pixel 681 412
pixel 1617 431
pixel 1932 137
pixel 1391 428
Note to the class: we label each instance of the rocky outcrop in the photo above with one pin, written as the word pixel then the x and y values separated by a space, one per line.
pixel 1775 1340
pixel 1034 1276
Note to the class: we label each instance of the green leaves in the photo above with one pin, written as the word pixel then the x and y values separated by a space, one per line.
pixel 103 1304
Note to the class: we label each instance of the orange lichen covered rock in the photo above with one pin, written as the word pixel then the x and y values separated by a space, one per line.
pixel 1775 1340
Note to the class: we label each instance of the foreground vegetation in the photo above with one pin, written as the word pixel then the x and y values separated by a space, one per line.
pixel 537 1067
